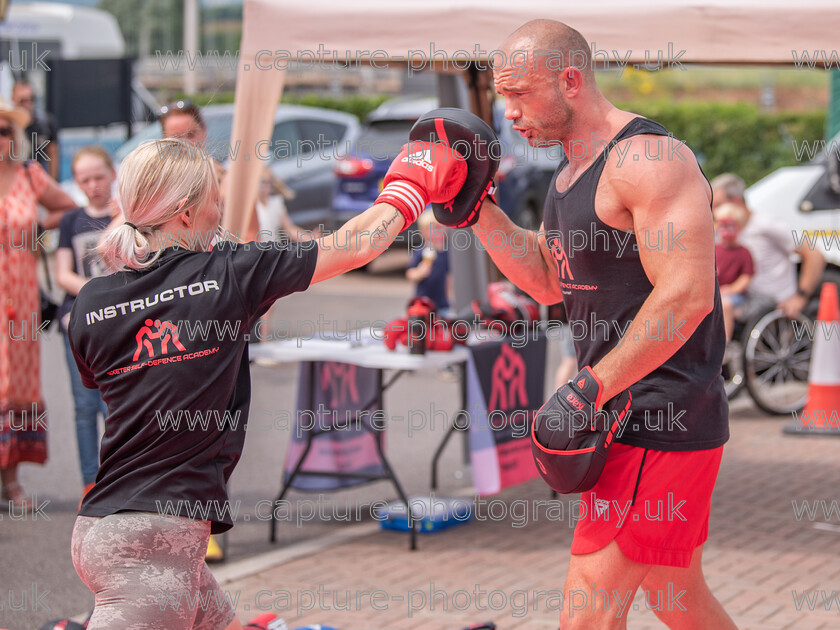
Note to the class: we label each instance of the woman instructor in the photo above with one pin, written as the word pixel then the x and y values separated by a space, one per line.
pixel 136 543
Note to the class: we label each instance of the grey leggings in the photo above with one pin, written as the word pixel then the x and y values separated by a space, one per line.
pixel 147 572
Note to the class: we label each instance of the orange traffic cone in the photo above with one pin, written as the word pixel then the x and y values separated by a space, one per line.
pixel 820 416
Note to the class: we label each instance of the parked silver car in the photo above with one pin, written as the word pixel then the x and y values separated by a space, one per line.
pixel 300 151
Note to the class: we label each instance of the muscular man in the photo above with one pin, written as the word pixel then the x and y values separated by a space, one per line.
pixel 771 244
pixel 628 244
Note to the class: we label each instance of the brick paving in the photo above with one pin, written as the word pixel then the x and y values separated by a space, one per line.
pixel 758 557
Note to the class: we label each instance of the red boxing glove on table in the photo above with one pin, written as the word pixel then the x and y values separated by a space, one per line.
pixel 423 173
pixel 396 332
pixel 438 338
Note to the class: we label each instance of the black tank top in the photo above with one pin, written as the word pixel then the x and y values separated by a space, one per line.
pixel 681 405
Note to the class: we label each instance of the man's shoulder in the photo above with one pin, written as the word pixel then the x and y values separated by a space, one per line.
pixel 645 143
pixel 655 150
pixel 653 160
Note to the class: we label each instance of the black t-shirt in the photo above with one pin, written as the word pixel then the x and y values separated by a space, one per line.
pixel 168 349
pixel 80 232
pixel 42 130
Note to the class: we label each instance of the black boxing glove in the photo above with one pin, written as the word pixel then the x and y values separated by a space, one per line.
pixel 570 439
pixel 472 138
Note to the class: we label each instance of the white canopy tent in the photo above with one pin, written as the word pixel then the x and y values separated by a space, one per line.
pixel 451 32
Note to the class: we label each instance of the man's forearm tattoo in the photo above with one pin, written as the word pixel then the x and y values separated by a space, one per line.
pixel 383 229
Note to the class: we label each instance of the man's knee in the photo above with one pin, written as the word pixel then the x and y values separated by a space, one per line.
pixel 668 590
pixel 666 599
pixel 600 604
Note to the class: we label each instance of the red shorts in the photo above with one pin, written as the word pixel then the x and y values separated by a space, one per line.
pixel 654 504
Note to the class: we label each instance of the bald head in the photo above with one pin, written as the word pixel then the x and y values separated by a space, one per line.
pixel 547 81
pixel 551 45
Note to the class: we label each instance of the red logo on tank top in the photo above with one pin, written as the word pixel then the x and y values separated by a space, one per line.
pixel 165 332
pixel 507 389
pixel 562 262
pixel 564 270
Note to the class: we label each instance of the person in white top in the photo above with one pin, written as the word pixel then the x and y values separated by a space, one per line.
pixel 272 217
pixel 772 245
pixel 271 222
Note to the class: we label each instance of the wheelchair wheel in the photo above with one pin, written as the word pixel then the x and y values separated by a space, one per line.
pixel 777 355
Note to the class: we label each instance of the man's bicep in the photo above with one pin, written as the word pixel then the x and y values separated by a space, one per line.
pixel 674 229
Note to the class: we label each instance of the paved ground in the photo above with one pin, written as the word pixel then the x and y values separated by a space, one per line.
pixel 768 568
pixel 758 553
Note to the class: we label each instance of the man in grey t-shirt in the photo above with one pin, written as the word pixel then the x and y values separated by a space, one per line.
pixel 771 245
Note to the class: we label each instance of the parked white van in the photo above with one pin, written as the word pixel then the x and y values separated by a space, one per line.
pixel 807 199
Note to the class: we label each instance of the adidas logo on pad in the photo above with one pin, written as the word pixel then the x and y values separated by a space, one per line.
pixel 422 158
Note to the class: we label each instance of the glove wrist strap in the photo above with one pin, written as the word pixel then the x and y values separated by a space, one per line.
pixel 588 386
pixel 406 198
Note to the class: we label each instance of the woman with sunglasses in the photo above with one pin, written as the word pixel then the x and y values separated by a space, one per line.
pixel 137 543
pixel 183 120
pixel 23 185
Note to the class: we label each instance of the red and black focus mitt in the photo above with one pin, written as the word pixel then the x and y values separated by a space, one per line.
pixel 476 141
pixel 570 439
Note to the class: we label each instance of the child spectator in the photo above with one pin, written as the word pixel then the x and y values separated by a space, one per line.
pixel 271 215
pixel 734 262
pixel 429 266
pixel 76 263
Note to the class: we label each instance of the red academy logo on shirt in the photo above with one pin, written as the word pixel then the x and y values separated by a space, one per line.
pixel 561 260
pixel 164 332
pixel 158 344
pixel 564 270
